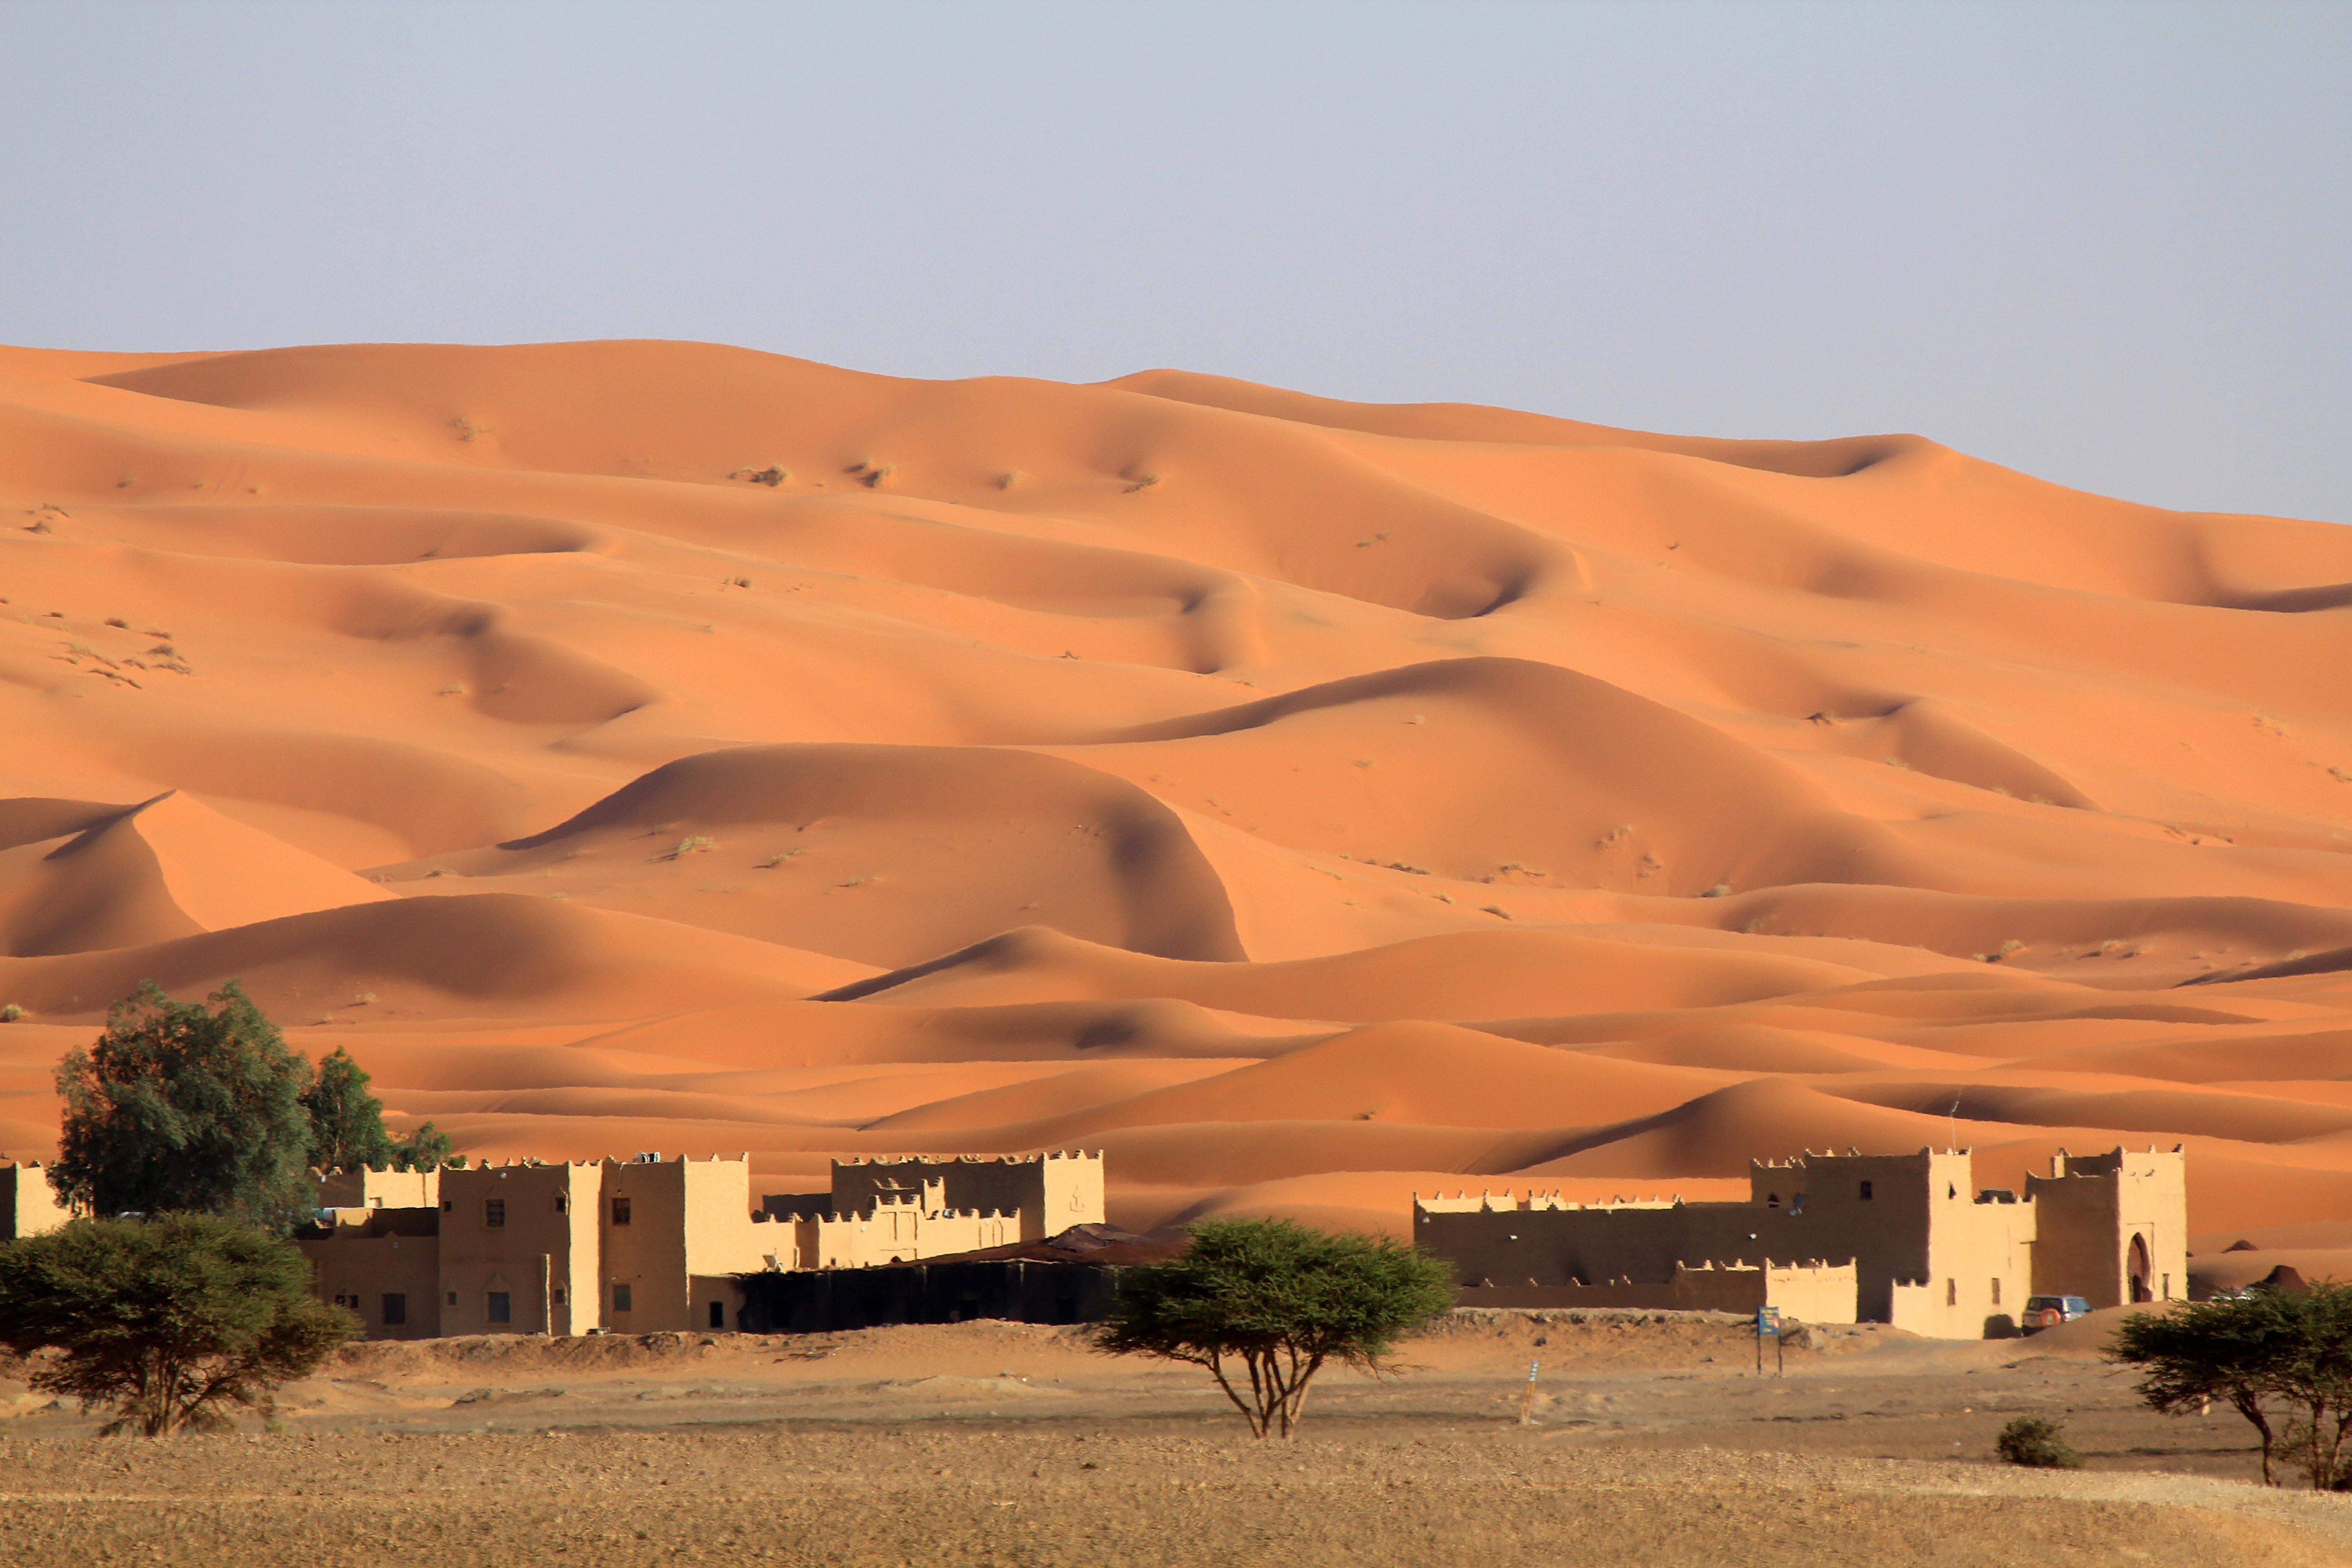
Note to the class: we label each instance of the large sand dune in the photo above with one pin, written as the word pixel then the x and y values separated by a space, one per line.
pixel 662 745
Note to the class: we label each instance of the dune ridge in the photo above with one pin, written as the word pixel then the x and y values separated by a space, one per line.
pixel 667 746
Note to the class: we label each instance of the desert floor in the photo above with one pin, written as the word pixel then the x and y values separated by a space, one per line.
pixel 1651 1441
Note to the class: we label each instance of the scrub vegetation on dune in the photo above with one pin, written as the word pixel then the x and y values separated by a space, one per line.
pixel 1308 802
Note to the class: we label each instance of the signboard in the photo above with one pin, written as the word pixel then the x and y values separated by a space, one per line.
pixel 1768 1321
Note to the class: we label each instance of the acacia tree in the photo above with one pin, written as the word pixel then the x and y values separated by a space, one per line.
pixel 1266 1304
pixel 182 1108
pixel 2267 1353
pixel 347 1129
pixel 172 1321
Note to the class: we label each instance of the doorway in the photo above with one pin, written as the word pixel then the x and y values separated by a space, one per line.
pixel 2136 1268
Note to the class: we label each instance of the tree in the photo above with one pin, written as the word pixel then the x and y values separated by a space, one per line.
pixel 181 1108
pixel 1280 1299
pixel 2265 1353
pixel 172 1321
pixel 347 1129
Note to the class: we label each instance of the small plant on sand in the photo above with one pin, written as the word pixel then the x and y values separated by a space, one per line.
pixel 872 475
pixel 738 582
pixel 1141 483
pixel 1010 477
pixel 2041 1445
pixel 117 621
pixel 693 844
pixel 1265 1304
pixel 1720 890
pixel 173 1322
pixel 774 474
pixel 11 1013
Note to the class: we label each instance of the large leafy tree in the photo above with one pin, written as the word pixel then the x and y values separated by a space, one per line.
pixel 172 1322
pixel 183 1107
pixel 1266 1304
pixel 347 1127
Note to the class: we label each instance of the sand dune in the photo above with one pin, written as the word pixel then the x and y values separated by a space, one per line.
pixel 665 745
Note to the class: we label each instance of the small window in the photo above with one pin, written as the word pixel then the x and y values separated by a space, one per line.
pixel 1772 1200
pixel 620 1211
pixel 620 1298
pixel 1950 1190
pixel 395 1310
pixel 1996 1292
pixel 718 1314
pixel 448 1206
pixel 1865 1192
pixel 453 1298
pixel 563 1203
pixel 501 1307
pixel 494 1212
pixel 1951 1292
pixel 556 1297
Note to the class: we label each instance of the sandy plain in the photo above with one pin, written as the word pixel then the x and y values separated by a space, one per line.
pixel 654 746
pixel 1651 1442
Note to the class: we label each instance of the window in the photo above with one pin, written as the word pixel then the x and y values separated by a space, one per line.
pixel 453 1298
pixel 563 1203
pixel 1772 1200
pixel 556 1297
pixel 1950 1190
pixel 501 1307
pixel 494 1212
pixel 395 1310
pixel 1951 1292
pixel 620 1298
pixel 1865 1192
pixel 620 1211
pixel 448 1206
pixel 1996 1292
pixel 718 1314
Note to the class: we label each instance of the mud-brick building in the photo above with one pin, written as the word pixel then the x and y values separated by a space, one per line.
pixel 28 1205
pixel 638 1246
pixel 627 1246
pixel 1929 1250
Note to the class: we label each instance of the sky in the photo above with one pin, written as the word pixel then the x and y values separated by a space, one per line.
pixel 2110 245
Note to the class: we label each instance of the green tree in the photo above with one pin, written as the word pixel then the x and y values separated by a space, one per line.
pixel 1266 1304
pixel 347 1127
pixel 181 1108
pixel 2280 1358
pixel 171 1321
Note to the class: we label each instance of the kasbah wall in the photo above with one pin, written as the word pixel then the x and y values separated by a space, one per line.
pixel 1927 1250
pixel 649 1244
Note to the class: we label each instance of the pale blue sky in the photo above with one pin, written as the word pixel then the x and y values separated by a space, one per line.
pixel 2107 244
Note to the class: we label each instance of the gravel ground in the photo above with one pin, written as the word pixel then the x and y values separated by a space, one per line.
pixel 1031 1498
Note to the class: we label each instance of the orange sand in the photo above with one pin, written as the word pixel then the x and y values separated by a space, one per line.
pixel 1306 802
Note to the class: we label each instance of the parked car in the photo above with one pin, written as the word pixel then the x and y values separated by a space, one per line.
pixel 2049 1311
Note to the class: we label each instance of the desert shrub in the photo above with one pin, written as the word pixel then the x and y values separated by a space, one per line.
pixel 186 1108
pixel 2030 1440
pixel 1265 1304
pixel 11 1013
pixel 172 1321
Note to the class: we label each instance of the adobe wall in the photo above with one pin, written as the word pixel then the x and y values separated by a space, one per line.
pixel 361 1257
pixel 543 1255
pixel 2093 1205
pixel 648 1252
pixel 1809 1293
pixel 369 1188
pixel 28 1205
pixel 1053 1191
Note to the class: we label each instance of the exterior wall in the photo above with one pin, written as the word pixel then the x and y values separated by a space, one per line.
pixel 1804 1293
pixel 720 1239
pixel 1929 1252
pixel 2093 1205
pixel 893 1233
pixel 541 1258
pixel 1052 1192
pixel 648 1253
pixel 28 1205
pixel 369 1188
pixel 359 1256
